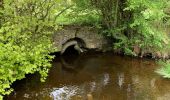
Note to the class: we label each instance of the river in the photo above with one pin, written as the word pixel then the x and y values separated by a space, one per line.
pixel 96 76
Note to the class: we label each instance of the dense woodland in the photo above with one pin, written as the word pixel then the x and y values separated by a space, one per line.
pixel 138 27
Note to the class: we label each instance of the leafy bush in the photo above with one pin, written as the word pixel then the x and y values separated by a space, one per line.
pixel 25 40
pixel 146 25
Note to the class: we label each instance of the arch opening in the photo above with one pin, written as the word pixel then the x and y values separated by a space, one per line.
pixel 73 46
pixel 70 51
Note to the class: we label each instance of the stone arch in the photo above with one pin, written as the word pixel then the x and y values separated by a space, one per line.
pixel 78 44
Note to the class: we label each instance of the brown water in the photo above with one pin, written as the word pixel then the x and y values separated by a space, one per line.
pixel 96 77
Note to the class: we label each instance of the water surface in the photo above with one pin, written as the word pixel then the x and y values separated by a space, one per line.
pixel 96 77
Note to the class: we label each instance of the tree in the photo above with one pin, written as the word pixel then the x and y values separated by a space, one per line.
pixel 25 39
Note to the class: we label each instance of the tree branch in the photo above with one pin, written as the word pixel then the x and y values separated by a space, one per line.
pixel 62 11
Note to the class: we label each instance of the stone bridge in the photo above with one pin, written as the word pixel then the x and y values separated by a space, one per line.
pixel 82 38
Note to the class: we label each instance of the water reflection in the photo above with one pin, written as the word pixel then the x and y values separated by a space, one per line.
pixel 64 93
pixel 67 92
pixel 120 79
pixel 96 77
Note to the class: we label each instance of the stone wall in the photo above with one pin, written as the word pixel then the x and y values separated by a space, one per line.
pixel 90 36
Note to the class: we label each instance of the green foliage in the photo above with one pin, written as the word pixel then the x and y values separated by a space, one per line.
pixel 25 40
pixel 79 17
pixel 79 13
pixel 165 70
pixel 146 25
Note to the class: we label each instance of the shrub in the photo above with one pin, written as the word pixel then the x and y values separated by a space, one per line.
pixel 25 40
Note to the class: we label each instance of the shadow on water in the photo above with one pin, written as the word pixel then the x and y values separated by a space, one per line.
pixel 95 76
